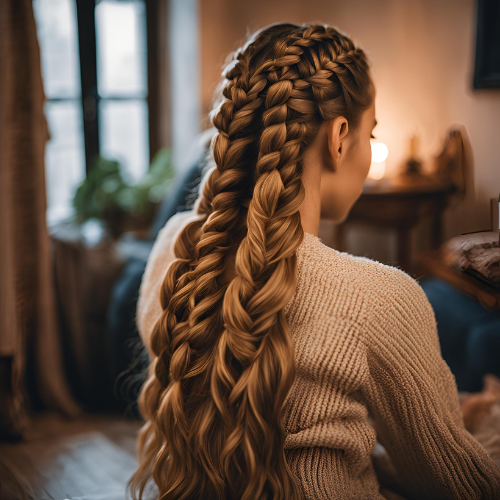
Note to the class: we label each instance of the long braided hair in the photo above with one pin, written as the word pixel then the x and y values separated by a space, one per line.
pixel 224 360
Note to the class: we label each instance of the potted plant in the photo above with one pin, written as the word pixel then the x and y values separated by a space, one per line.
pixel 106 196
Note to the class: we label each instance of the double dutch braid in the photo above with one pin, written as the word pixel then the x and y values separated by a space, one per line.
pixel 224 355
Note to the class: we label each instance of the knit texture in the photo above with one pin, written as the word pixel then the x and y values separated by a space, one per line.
pixel 366 344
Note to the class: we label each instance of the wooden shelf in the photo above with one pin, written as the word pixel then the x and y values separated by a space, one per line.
pixel 487 295
pixel 400 204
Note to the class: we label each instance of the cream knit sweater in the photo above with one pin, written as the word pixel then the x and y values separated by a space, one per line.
pixel 366 342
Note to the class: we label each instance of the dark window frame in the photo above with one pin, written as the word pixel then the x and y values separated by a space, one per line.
pixel 87 48
pixel 87 42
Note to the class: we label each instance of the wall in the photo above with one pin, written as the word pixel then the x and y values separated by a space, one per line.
pixel 422 55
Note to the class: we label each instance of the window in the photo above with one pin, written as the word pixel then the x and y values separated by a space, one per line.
pixel 122 83
pixel 94 66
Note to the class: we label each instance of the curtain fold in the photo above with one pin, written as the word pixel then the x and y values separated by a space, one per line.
pixel 30 349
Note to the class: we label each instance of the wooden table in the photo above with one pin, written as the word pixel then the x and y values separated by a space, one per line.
pixel 85 272
pixel 400 204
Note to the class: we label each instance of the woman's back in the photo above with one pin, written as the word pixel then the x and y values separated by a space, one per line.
pixel 365 341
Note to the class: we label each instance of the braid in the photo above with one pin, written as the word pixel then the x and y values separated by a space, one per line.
pixel 188 323
pixel 256 332
pixel 224 354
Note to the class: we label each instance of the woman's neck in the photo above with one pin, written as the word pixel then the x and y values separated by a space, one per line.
pixel 310 209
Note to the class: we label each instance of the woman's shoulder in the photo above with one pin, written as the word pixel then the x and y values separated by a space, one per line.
pixel 162 254
pixel 174 225
pixel 362 271
pixel 315 252
pixel 162 251
pixel 363 286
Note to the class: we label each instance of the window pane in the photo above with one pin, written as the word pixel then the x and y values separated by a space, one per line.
pixel 58 39
pixel 123 131
pixel 121 48
pixel 64 157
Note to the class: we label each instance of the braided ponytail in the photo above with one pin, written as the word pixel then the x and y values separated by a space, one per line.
pixel 224 355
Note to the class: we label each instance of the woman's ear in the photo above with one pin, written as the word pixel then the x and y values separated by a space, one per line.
pixel 336 131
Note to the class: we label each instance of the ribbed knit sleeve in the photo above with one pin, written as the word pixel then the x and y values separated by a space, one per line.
pixel 413 398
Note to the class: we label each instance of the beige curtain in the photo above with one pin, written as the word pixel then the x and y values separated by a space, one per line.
pixel 29 337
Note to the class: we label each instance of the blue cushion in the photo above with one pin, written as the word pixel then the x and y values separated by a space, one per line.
pixel 469 334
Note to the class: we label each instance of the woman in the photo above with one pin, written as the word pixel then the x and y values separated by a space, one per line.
pixel 268 349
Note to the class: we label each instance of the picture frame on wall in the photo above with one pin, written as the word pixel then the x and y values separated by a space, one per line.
pixel 487 54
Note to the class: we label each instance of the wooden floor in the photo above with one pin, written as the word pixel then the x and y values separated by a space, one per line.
pixel 90 458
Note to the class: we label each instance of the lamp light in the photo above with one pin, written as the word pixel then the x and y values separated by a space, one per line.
pixel 379 155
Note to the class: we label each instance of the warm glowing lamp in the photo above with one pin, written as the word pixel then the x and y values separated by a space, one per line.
pixel 379 155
